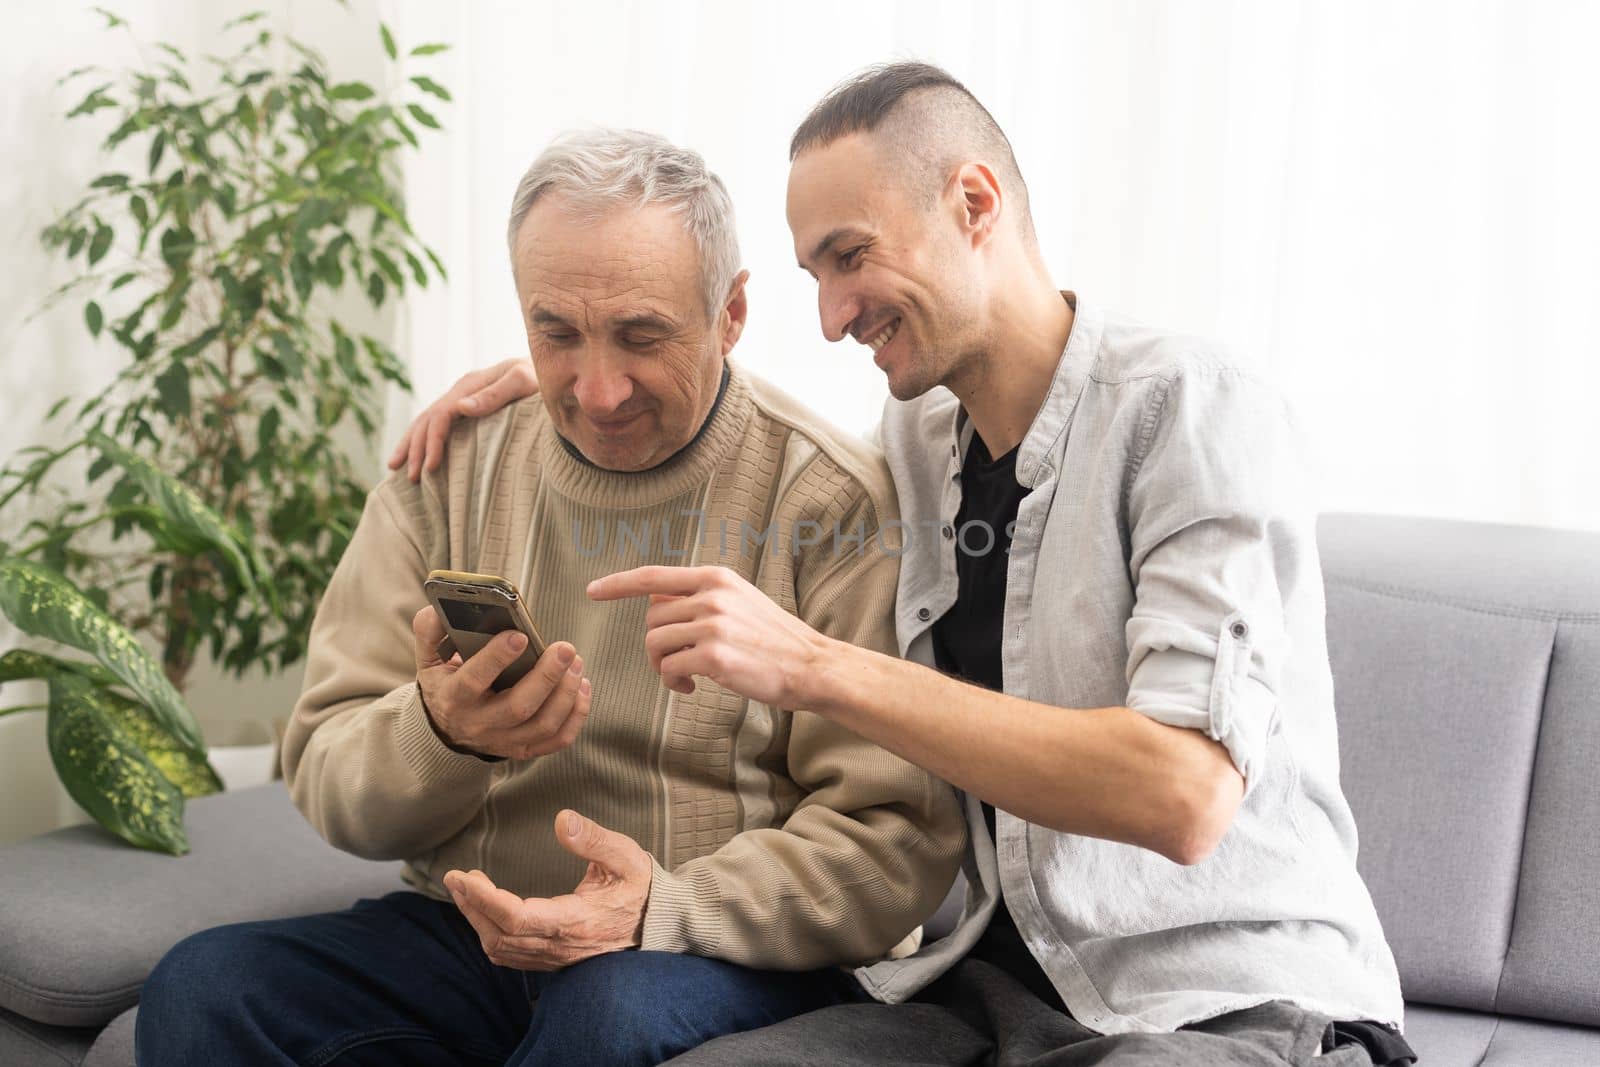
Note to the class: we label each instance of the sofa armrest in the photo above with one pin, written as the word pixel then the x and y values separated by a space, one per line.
pixel 85 917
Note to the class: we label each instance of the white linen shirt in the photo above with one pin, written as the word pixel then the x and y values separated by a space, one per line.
pixel 1164 559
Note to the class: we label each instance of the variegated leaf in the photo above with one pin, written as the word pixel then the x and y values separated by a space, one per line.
pixel 107 773
pixel 43 603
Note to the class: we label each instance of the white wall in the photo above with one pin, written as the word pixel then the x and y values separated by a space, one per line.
pixel 1388 205
pixel 50 161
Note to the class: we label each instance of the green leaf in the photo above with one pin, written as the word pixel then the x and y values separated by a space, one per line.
pixel 157 147
pixel 21 664
pixel 429 49
pixel 418 271
pixel 110 181
pixel 100 244
pixel 173 385
pixel 112 20
pixel 177 244
pixel 388 41
pixel 351 91
pixel 267 430
pixel 422 116
pixel 180 505
pixel 106 772
pixel 94 101
pixel 190 772
pixel 428 85
pixel 41 602
pixel 294 363
pixel 94 318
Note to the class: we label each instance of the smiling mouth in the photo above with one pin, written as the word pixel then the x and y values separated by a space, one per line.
pixel 614 425
pixel 884 336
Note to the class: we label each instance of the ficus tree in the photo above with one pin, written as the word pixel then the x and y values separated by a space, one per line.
pixel 207 488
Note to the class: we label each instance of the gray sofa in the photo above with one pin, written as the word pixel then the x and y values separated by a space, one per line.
pixel 1466 660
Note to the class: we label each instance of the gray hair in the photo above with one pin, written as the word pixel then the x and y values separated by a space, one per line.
pixel 604 169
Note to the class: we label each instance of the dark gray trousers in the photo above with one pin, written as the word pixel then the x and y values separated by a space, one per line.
pixel 977 1014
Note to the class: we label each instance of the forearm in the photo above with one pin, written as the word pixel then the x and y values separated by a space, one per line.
pixel 376 780
pixel 1102 772
pixel 771 901
pixel 867 855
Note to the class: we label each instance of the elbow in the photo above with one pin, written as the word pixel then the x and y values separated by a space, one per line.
pixel 1200 815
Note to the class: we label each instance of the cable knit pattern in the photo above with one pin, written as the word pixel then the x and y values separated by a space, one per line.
pixel 780 840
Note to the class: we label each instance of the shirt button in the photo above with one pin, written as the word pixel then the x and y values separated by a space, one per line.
pixel 924 614
pixel 948 531
pixel 1239 630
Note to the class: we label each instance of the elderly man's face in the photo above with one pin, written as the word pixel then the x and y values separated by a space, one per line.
pixel 890 268
pixel 627 358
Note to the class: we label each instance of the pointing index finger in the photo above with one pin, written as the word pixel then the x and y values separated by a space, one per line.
pixel 650 581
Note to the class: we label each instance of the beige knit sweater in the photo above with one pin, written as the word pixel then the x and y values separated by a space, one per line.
pixel 780 840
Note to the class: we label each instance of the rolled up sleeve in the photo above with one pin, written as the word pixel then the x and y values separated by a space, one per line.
pixel 1218 519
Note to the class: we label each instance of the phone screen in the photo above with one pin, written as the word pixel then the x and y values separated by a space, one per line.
pixel 479 618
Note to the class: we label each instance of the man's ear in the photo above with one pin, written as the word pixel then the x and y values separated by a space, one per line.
pixel 978 201
pixel 734 312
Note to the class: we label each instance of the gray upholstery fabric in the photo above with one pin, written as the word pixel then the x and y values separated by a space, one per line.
pixel 85 916
pixel 114 1046
pixel 1553 968
pixel 1444 1037
pixel 25 1043
pixel 1523 568
pixel 1411 682
pixel 1448 1037
pixel 1430 845
pixel 1528 1042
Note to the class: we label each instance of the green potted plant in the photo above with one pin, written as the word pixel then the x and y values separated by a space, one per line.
pixel 206 492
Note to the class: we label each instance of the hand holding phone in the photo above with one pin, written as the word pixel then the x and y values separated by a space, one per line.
pixel 509 696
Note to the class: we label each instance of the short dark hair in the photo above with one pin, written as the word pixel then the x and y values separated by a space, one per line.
pixel 944 122
pixel 862 101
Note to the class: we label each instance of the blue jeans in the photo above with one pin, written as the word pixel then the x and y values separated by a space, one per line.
pixel 404 981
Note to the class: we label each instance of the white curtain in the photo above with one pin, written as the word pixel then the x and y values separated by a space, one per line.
pixel 1389 207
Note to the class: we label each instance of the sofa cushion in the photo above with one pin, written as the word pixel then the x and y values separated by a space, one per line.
pixel 1438 711
pixel 114 1046
pixel 25 1043
pixel 1553 968
pixel 84 917
pixel 1444 1037
pixel 1523 606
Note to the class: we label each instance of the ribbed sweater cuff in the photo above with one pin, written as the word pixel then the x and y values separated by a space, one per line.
pixel 684 914
pixel 429 758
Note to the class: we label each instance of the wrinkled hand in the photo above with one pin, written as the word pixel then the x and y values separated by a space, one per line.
pixel 541 714
pixel 477 392
pixel 709 621
pixel 604 914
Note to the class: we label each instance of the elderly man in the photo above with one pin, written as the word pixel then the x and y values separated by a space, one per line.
pixel 1113 567
pixel 747 849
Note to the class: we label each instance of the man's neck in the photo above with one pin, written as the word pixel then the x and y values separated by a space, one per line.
pixel 1003 387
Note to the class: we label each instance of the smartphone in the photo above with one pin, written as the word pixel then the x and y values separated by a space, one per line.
pixel 475 607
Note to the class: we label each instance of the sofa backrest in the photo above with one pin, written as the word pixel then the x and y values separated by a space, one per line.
pixel 1466 667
